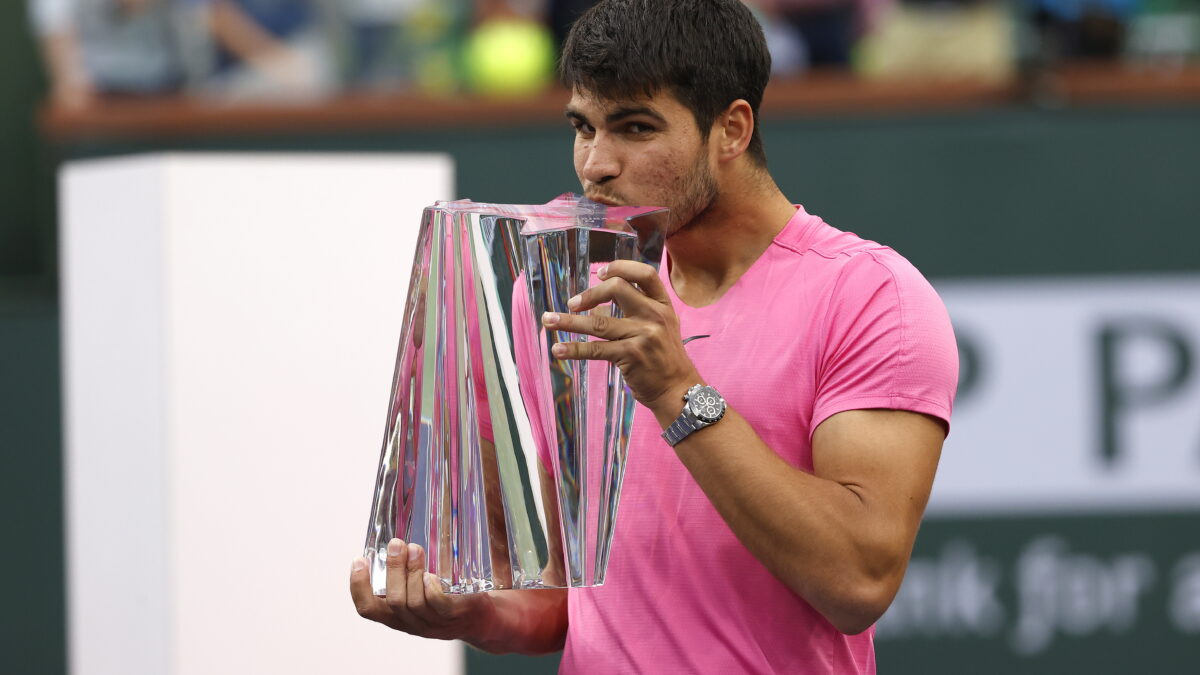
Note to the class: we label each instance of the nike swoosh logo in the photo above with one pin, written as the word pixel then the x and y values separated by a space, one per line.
pixel 694 337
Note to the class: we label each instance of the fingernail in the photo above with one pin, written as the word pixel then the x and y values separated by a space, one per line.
pixel 549 318
pixel 394 547
pixel 573 302
pixel 358 564
pixel 413 552
pixel 603 272
pixel 559 350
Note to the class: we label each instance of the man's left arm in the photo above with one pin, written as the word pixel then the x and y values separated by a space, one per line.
pixel 839 537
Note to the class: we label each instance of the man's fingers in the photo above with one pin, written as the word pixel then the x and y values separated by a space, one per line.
pixel 397 577
pixel 415 580
pixel 365 600
pixel 397 598
pixel 366 603
pixel 612 288
pixel 426 600
pixel 645 276
pixel 415 602
pixel 592 350
pixel 438 602
pixel 599 325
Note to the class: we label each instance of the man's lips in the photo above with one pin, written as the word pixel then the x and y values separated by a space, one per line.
pixel 607 201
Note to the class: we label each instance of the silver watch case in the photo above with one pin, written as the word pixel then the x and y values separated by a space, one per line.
pixel 703 407
pixel 705 403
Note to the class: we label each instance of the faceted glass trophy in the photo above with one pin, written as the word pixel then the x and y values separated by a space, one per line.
pixel 502 461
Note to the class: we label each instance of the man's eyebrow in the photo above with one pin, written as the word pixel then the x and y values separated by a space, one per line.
pixel 630 111
pixel 616 115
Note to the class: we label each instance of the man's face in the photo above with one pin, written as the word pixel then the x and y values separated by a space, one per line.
pixel 642 152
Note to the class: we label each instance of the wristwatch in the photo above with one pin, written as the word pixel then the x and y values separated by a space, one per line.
pixel 703 407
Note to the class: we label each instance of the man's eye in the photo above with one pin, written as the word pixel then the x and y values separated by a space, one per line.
pixel 639 128
pixel 583 128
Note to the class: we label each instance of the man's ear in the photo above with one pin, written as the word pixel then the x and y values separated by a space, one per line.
pixel 733 129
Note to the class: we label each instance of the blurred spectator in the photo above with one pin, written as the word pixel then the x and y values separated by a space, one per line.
pixel 269 48
pixel 108 47
pixel 287 49
pixel 435 32
pixel 789 54
pixel 1082 29
pixel 973 39
pixel 1164 33
pixel 827 29
pixel 399 44
pixel 380 56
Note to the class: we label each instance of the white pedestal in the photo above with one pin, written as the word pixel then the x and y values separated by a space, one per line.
pixel 229 329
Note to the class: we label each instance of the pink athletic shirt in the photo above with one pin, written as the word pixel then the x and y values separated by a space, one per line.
pixel 821 323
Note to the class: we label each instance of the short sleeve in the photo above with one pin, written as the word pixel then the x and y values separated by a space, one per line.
pixel 887 342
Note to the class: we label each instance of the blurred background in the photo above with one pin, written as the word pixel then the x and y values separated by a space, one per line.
pixel 1037 159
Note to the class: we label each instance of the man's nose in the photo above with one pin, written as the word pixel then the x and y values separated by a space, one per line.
pixel 601 162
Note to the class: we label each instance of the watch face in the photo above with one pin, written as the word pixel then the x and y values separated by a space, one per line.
pixel 706 404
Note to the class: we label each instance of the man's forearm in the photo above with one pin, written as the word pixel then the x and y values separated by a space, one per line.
pixel 524 622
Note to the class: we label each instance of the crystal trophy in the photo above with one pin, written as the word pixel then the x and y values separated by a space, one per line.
pixel 502 461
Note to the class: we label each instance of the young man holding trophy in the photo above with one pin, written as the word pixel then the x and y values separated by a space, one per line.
pixel 795 386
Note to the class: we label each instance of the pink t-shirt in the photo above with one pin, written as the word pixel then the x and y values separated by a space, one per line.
pixel 823 322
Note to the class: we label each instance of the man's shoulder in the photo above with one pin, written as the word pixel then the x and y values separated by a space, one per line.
pixel 817 243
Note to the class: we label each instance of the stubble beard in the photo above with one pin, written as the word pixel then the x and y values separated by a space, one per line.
pixel 698 193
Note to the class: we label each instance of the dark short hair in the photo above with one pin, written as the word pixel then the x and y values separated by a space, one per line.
pixel 707 53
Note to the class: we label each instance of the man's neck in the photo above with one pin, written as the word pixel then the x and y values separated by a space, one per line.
pixel 712 252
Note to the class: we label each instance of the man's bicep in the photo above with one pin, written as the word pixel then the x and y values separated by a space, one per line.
pixel 886 457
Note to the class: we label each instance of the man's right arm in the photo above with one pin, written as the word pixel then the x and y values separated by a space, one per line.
pixel 526 622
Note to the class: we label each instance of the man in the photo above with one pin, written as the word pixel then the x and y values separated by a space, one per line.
pixel 769 538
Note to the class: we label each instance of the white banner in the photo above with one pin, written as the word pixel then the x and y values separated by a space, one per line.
pixel 1076 395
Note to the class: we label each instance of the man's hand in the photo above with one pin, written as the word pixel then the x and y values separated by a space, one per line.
pixel 415 602
pixel 644 343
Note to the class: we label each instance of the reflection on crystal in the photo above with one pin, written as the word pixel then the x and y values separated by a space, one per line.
pixel 475 386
